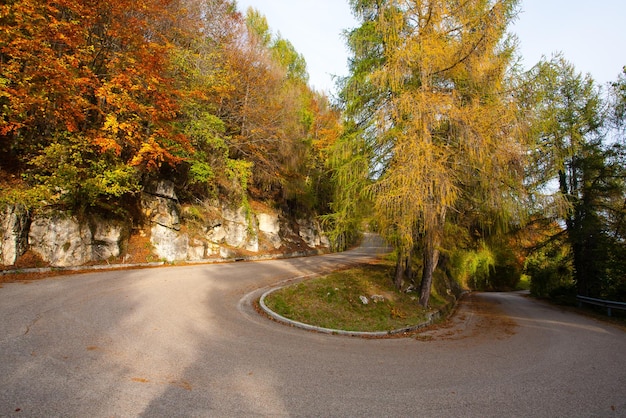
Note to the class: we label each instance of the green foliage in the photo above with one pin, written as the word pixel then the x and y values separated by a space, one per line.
pixel 200 171
pixel 350 164
pixel 257 24
pixel 474 268
pixel 209 154
pixel 507 272
pixel 30 197
pixel 77 176
pixel 293 62
pixel 572 150
pixel 549 269
pixel 240 172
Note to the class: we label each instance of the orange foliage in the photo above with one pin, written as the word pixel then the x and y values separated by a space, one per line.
pixel 70 65
pixel 113 84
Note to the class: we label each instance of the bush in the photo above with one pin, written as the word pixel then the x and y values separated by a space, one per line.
pixel 549 269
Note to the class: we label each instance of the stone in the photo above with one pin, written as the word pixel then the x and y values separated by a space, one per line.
pixel 60 240
pixel 13 234
pixel 108 238
pixel 169 244
pixel 217 234
pixel 236 234
pixel 240 232
pixel 159 204
pixel 163 188
pixel 212 249
pixel 377 298
pixel 364 300
pixel 309 231
pixel 268 223
pixel 269 226
pixel 227 252
pixel 252 244
pixel 161 211
pixel 196 250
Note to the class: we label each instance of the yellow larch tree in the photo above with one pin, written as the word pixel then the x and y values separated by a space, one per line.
pixel 438 116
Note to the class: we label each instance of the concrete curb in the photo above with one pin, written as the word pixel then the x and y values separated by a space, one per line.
pixel 432 316
pixel 162 263
pixel 80 268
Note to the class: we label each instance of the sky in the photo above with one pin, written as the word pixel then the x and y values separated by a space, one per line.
pixel 590 34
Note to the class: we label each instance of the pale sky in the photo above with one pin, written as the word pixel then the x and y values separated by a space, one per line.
pixel 590 34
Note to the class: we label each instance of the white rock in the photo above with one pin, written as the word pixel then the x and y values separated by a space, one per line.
pixel 60 240
pixel 268 223
pixel 160 210
pixel 13 234
pixel 108 237
pixel 169 244
pixel 310 232
pixel 196 250
pixel 269 226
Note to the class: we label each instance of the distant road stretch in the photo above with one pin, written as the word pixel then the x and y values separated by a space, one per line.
pixel 185 341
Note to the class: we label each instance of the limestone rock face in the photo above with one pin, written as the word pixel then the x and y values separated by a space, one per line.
pixel 161 208
pixel 199 232
pixel 60 240
pixel 309 231
pixel 169 244
pixel 235 230
pixel 64 241
pixel 108 238
pixel 269 226
pixel 197 250
pixel 160 205
pixel 268 223
pixel 13 234
pixel 236 226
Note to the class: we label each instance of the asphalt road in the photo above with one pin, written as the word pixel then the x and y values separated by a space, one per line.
pixel 185 341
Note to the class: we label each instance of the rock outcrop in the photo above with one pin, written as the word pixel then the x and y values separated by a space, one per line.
pixel 60 240
pixel 218 230
pixel 63 240
pixel 13 234
pixel 229 233
pixel 109 238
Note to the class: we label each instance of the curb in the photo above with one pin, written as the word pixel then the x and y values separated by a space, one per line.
pixel 432 316
pixel 80 268
pixel 162 263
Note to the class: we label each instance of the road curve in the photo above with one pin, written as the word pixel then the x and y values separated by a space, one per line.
pixel 185 341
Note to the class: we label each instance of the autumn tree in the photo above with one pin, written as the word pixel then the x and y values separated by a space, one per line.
pixel 97 98
pixel 429 92
pixel 88 102
pixel 272 117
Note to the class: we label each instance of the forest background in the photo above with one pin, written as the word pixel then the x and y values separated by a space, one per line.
pixel 475 171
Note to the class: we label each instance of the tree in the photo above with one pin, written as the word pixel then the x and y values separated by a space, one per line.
pixel 442 122
pixel 269 116
pixel 573 152
pixel 86 84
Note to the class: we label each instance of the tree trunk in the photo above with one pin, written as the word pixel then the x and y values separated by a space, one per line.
pixel 401 266
pixel 431 258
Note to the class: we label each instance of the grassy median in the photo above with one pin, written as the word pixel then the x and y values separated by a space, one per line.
pixel 357 299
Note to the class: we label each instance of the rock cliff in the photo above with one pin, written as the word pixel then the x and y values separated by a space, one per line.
pixel 173 232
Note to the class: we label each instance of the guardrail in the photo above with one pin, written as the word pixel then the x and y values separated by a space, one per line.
pixel 608 304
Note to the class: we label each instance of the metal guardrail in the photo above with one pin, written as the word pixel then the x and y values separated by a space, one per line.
pixel 608 304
